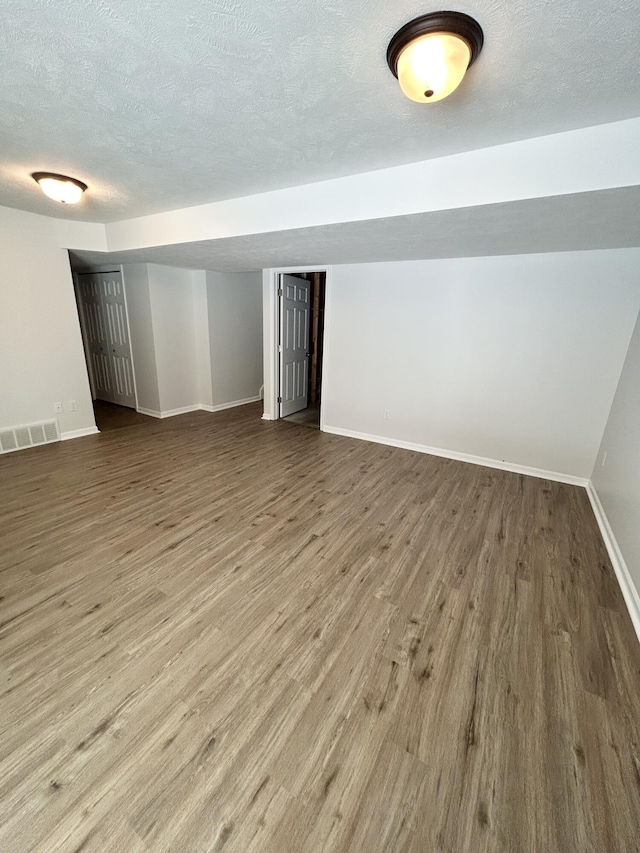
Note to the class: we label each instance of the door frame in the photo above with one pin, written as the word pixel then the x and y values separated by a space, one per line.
pixel 271 331
pixel 96 270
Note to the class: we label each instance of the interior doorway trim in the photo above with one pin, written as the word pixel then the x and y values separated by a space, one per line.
pixel 271 320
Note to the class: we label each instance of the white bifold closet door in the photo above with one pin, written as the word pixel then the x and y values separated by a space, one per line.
pixel 107 337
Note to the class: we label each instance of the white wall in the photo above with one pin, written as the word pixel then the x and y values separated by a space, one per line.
pixel 196 337
pixel 143 351
pixel 41 354
pixel 168 317
pixel 235 332
pixel 174 335
pixel 617 482
pixel 558 164
pixel 203 350
pixel 514 358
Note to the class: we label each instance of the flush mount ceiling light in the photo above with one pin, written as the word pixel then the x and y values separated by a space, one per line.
pixel 60 187
pixel 430 55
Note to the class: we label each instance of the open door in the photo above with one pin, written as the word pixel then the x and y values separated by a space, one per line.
pixel 295 317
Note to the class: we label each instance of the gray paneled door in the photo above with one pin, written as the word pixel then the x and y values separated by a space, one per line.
pixel 107 342
pixel 295 317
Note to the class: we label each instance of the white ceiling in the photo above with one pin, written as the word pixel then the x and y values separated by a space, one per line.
pixel 606 219
pixel 162 105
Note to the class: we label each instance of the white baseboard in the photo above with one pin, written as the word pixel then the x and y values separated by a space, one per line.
pixel 200 407
pixel 183 410
pixel 462 457
pixel 266 417
pixel 152 413
pixel 222 406
pixel 168 413
pixel 627 586
pixel 78 433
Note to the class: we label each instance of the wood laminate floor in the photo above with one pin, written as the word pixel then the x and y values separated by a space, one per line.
pixel 111 416
pixel 309 417
pixel 223 634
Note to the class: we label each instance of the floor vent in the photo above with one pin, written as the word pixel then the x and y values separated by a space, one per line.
pixel 29 435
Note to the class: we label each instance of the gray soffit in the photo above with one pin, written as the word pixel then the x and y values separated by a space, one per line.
pixel 598 220
pixel 159 106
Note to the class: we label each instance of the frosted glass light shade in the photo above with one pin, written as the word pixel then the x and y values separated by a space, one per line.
pixel 431 54
pixel 432 66
pixel 60 187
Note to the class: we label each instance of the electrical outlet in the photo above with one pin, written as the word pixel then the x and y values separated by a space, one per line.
pixel 604 458
pixel 387 414
pixel 73 406
pixel 57 408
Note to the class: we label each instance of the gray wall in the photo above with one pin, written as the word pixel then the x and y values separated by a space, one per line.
pixel 136 282
pixel 41 354
pixel 514 358
pixel 174 335
pixel 235 335
pixel 617 482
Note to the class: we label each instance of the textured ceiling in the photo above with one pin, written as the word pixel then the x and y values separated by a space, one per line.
pixel 597 220
pixel 162 105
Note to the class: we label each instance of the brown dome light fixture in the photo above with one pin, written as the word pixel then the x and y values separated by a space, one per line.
pixel 60 187
pixel 430 55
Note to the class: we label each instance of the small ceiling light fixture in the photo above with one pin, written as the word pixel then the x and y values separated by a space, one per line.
pixel 431 54
pixel 60 187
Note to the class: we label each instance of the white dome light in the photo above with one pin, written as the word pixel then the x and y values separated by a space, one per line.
pixel 60 187
pixel 430 55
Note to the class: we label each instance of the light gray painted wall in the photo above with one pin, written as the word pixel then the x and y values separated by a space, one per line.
pixel 512 358
pixel 172 313
pixel 203 350
pixel 617 482
pixel 235 335
pixel 41 355
pixel 136 282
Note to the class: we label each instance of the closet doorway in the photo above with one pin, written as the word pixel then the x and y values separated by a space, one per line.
pixel 104 323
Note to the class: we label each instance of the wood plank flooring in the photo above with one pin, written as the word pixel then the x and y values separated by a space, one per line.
pixel 111 416
pixel 223 634
pixel 309 417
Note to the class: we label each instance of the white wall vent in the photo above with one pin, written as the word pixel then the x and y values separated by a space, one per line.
pixel 28 435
